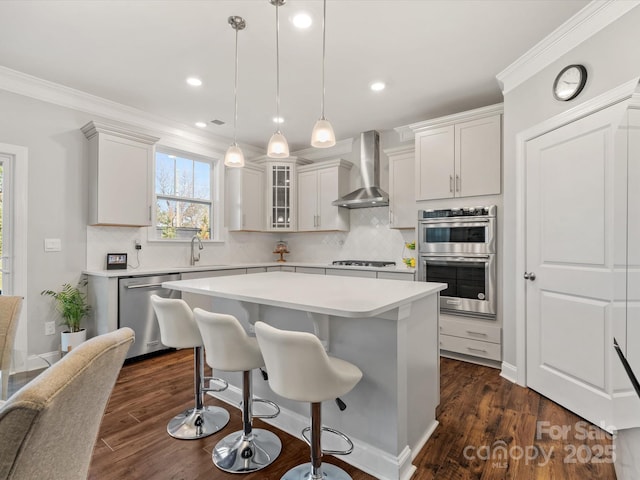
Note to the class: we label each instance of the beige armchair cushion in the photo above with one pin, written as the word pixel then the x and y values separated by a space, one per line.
pixel 48 428
pixel 9 316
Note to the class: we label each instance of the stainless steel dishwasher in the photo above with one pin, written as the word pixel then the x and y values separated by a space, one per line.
pixel 135 310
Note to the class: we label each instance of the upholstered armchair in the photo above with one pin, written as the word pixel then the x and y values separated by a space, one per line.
pixel 48 428
pixel 9 315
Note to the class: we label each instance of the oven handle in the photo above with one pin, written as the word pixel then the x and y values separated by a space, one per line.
pixel 456 224
pixel 444 260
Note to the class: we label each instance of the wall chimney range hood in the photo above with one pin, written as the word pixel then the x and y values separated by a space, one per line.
pixel 370 195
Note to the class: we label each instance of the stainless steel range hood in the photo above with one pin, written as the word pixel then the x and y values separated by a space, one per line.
pixel 370 195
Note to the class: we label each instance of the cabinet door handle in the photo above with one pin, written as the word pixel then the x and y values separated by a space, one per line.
pixel 479 350
pixel 457 183
pixel 471 332
pixel 451 183
pixel 149 212
pixel 318 221
pixel 390 217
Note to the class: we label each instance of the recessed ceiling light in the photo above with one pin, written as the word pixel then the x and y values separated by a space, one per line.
pixel 377 86
pixel 194 81
pixel 278 120
pixel 301 20
pixel 201 125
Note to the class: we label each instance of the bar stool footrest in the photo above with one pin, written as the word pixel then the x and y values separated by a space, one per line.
pixel 208 380
pixel 306 431
pixel 270 403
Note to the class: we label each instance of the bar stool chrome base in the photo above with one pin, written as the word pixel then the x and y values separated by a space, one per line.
pixel 239 453
pixel 198 423
pixel 304 472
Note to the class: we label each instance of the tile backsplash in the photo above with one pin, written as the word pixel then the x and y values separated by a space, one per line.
pixel 369 238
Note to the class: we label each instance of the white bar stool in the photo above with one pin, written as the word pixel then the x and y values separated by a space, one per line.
pixel 229 348
pixel 300 369
pixel 178 329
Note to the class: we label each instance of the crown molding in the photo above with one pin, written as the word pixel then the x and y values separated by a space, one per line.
pixel 340 148
pixel 587 22
pixel 173 133
pixel 401 150
pixel 407 132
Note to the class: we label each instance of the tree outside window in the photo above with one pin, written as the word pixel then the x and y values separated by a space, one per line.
pixel 184 204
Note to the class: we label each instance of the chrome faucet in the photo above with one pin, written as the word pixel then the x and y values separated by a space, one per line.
pixel 195 256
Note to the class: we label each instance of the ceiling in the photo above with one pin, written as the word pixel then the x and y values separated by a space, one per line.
pixel 437 57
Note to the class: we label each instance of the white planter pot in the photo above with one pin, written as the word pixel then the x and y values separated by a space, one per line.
pixel 70 340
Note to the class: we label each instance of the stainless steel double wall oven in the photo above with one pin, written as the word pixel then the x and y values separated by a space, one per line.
pixel 458 247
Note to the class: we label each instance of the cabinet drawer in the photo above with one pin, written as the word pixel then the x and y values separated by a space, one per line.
pixel 314 270
pixel 470 347
pixel 470 329
pixel 351 273
pixel 396 276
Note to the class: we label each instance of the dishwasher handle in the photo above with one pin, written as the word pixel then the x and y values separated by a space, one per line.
pixel 144 285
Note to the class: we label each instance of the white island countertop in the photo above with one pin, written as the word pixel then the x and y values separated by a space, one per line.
pixel 329 295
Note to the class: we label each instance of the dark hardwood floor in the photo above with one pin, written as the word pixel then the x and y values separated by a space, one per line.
pixel 481 417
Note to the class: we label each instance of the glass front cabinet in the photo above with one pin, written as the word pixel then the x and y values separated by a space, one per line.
pixel 281 193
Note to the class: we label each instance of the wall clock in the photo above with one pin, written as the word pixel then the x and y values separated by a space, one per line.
pixel 569 82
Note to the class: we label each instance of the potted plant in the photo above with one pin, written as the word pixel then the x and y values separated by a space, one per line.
pixel 72 305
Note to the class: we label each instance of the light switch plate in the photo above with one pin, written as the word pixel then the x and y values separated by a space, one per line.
pixel 52 245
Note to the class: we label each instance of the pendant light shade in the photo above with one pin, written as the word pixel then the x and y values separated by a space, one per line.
pixel 322 135
pixel 234 156
pixel 278 146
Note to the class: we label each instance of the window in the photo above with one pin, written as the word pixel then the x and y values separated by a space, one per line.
pixel 184 197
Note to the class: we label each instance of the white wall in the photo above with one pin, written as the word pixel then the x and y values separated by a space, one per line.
pixel 612 57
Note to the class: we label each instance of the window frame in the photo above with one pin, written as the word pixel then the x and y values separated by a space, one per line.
pixel 215 186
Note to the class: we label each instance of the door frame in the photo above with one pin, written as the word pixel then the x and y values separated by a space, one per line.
pixel 19 183
pixel 618 94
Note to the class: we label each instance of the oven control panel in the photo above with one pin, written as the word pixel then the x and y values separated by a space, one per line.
pixel 489 211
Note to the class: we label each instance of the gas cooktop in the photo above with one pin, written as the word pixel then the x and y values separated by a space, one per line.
pixel 364 263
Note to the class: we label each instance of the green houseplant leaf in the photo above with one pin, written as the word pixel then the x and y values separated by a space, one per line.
pixel 72 305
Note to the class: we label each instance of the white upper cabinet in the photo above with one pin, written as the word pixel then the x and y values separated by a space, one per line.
pixel 459 155
pixel 319 185
pixel 402 197
pixel 119 182
pixel 281 192
pixel 245 198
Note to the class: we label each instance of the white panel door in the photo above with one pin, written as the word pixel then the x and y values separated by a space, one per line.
pixel 571 225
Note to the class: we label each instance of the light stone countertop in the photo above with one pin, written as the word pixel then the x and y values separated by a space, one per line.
pixel 330 295
pixel 202 268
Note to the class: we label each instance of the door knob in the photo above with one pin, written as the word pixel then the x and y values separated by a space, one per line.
pixel 529 276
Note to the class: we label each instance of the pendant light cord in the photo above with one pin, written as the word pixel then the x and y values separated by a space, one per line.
pixel 277 68
pixel 235 94
pixel 324 17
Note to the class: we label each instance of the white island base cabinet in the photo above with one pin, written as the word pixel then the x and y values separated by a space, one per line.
pixel 390 413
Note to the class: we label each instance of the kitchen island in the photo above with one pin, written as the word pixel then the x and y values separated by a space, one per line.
pixel 388 328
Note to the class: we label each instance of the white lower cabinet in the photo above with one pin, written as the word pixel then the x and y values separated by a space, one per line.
pixel 408 276
pixel 351 273
pixel 470 337
pixel 312 270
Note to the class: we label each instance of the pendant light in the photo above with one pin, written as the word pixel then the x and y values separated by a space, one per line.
pixel 322 135
pixel 234 156
pixel 278 146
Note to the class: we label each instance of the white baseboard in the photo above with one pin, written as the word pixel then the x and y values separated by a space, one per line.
pixel 365 457
pixel 510 372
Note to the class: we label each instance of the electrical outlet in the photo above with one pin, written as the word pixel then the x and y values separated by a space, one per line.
pixel 137 244
pixel 49 328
